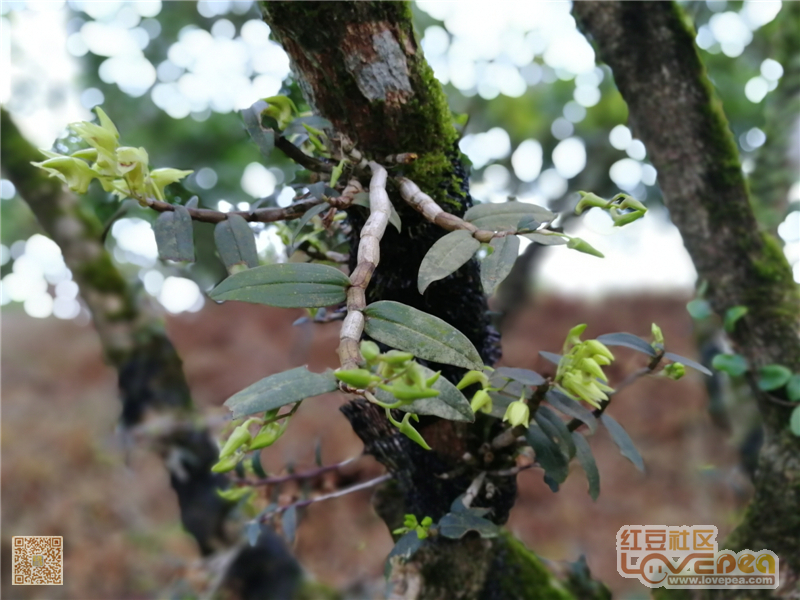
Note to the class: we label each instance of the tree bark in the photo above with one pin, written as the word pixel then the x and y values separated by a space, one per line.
pixel 673 110
pixel 359 65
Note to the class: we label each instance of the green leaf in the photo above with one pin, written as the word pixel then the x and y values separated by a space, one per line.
pixel 550 356
pixel 628 340
pixel 496 267
pixel 794 421
pixel 571 408
pixel 623 440
pixel 586 459
pixel 556 429
pixel 545 239
pixel 192 202
pixel 548 455
pixel 253 532
pixel 446 256
pixel 264 138
pixel 281 389
pixel 688 362
pixel 404 549
pixel 772 377
pixel 524 376
pixel 450 404
pixel 496 217
pixel 288 285
pixel 425 336
pixel 174 235
pixel 734 365
pixel 307 216
pixel 456 525
pixel 733 314
pixel 235 242
pixel 699 309
pixel 793 388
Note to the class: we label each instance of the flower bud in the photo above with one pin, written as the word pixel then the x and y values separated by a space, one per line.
pixel 518 413
pixel 396 357
pixel 589 200
pixel 226 464
pixel 268 435
pixel 239 437
pixel 658 336
pixel 472 377
pixel 675 371
pixel 433 379
pixel 407 429
pixel 633 203
pixel 357 378
pixel 593 368
pixel 599 348
pixel 76 173
pixel 481 401
pixel 583 246
pixel 627 218
pixel 370 351
pixel 235 494
pixel 408 393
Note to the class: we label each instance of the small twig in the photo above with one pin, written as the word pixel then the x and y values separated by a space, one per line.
pixel 337 494
pixel 474 489
pixel 261 215
pixel 300 157
pixel 310 474
pixel 369 255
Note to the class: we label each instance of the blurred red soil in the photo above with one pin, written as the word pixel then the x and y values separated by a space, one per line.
pixel 65 472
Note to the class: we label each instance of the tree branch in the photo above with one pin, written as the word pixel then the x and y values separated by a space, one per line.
pixel 260 215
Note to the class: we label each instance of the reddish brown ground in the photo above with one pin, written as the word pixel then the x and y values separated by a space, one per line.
pixel 65 472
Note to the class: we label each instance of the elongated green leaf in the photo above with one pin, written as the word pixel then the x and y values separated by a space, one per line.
pixel 281 389
pixel 586 459
pixel 545 239
pixel 628 340
pixel 289 524
pixel 524 376
pixel 235 242
pixel 450 404
pixel 456 525
pixel 687 361
pixel 623 440
pixel 772 377
pixel 556 429
pixel 571 408
pixel 263 137
pixel 550 356
pixel 446 256
pixel 425 336
pixel 174 235
pixel 496 267
pixel 307 216
pixel 505 217
pixel 548 454
pixel 288 285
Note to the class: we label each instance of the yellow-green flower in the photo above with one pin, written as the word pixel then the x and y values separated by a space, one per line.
pixel 77 174
pixel 518 413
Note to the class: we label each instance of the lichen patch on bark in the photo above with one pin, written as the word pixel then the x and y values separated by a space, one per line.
pixel 378 66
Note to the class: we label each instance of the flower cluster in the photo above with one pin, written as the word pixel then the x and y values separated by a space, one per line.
pixel 122 170
pixel 517 412
pixel 623 208
pixel 242 440
pixel 580 374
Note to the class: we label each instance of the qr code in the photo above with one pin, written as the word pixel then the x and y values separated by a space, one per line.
pixel 38 560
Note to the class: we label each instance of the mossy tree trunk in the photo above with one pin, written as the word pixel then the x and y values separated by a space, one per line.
pixel 673 110
pixel 359 65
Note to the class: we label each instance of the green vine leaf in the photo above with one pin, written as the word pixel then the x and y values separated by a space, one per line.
pixel 425 336
pixel 793 388
pixel 456 525
pixel 446 256
pixel 734 365
pixel 264 138
pixel 496 267
pixel 289 285
pixel 236 243
pixel 175 235
pixel 794 421
pixel 732 315
pixel 281 389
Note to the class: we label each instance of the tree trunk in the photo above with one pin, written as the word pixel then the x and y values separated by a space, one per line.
pixel 359 65
pixel 673 110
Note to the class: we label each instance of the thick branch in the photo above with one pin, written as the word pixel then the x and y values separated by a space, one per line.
pixel 260 215
pixel 673 110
